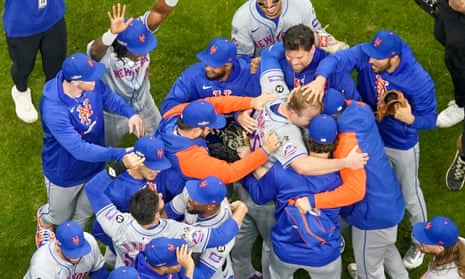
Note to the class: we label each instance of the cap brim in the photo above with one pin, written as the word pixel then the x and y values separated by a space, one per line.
pixel 369 50
pixel 219 123
pixel 191 186
pixel 77 252
pixel 205 58
pixel 163 164
pixel 150 45
pixel 99 70
pixel 419 234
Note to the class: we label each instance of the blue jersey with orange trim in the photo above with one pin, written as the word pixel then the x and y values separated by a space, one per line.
pixel 410 78
pixel 74 138
pixel 285 184
pixel 383 204
pixel 193 84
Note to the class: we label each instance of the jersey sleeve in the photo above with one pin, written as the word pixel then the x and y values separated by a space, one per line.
pixel 176 208
pixel 353 186
pixel 114 102
pixel 239 33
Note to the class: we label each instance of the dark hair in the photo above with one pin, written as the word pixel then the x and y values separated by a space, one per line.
pixel 299 37
pixel 144 205
pixel 120 50
pixel 182 125
pixel 316 147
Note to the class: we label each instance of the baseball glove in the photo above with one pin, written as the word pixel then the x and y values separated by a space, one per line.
pixel 328 43
pixel 232 137
pixel 387 103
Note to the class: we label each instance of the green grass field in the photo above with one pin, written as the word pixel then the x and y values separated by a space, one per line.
pixel 187 31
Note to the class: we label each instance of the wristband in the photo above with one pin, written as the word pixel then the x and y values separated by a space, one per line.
pixel 116 169
pixel 108 38
pixel 171 3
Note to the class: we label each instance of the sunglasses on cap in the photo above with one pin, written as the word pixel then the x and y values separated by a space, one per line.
pixel 261 4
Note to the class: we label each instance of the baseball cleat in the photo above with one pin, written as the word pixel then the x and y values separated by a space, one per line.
pixel 429 6
pixel 43 237
pixel 450 116
pixel 352 269
pixel 455 176
pixel 25 110
pixel 414 257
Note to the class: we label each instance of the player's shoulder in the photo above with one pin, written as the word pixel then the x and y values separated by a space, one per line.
pixel 245 13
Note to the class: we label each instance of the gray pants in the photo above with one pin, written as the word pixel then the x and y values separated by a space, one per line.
pixel 259 220
pixel 116 126
pixel 282 270
pixel 405 164
pixel 375 252
pixel 65 204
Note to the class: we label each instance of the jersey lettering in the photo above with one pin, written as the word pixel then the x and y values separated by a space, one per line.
pixel 381 86
pixel 79 275
pixel 265 41
pixel 85 112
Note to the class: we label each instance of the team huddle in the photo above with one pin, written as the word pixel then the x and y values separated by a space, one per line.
pixel 268 136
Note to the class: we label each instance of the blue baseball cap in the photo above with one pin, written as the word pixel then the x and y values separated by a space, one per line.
pixel 220 51
pixel 153 150
pixel 210 190
pixel 439 231
pixel 70 237
pixel 200 113
pixel 323 129
pixel 162 251
pixel 124 272
pixel 384 44
pixel 79 66
pixel 137 38
pixel 333 102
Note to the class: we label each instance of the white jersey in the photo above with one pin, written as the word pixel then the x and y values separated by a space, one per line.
pixel 252 32
pixel 129 238
pixel 127 78
pixel 216 258
pixel 47 264
pixel 291 136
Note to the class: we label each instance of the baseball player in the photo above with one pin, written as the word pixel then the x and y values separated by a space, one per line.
pixel 131 232
pixel 286 117
pixel 219 73
pixel 292 63
pixel 166 258
pixel 124 186
pixel 202 203
pixel 375 217
pixel 258 24
pixel 320 256
pixel 125 49
pixel 31 27
pixel 440 237
pixel 74 254
pixel 72 112
pixel 387 63
pixel 183 131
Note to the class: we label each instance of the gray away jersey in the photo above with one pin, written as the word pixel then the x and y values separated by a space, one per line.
pixel 290 135
pixel 216 258
pixel 46 263
pixel 129 238
pixel 252 32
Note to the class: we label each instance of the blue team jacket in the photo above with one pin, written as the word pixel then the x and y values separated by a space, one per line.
pixel 73 149
pixel 383 204
pixel 193 84
pixel 409 78
pixel 273 58
pixel 285 184
pixel 25 18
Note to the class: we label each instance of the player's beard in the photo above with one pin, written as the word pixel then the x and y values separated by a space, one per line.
pixel 215 77
pixel 382 68
pixel 192 210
